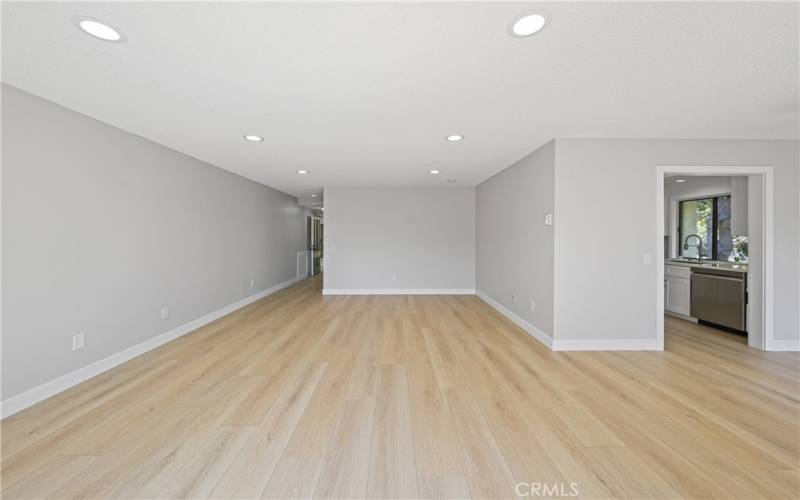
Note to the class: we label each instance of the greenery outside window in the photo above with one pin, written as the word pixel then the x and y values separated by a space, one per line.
pixel 704 229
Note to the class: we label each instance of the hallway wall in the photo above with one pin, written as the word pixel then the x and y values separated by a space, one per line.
pixel 102 229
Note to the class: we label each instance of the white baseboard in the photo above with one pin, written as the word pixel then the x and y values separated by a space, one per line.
pixel 572 345
pixel 519 321
pixel 606 345
pixel 680 316
pixel 784 345
pixel 48 389
pixel 399 291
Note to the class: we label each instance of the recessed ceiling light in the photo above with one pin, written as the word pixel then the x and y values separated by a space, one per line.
pixel 98 29
pixel 528 23
pixel 253 138
pixel 680 180
pixel 454 137
pixel 434 172
pixel 451 180
pixel 302 172
pixel 313 196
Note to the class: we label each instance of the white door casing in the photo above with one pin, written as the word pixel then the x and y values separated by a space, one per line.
pixel 760 268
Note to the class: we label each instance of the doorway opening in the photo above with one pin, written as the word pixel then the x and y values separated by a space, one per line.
pixel 714 261
pixel 314 231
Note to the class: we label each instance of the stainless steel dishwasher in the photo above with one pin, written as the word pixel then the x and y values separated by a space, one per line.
pixel 719 296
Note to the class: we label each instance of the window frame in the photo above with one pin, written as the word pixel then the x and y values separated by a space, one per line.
pixel 714 224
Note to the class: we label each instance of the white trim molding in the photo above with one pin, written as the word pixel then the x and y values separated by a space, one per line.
pixel 606 345
pixel 570 344
pixel 681 316
pixel 784 345
pixel 398 291
pixel 48 389
pixel 518 320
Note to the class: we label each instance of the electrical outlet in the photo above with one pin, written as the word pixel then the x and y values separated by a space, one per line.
pixel 514 298
pixel 533 305
pixel 164 312
pixel 548 219
pixel 77 341
pixel 252 283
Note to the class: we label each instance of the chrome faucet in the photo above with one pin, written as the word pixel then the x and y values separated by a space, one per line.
pixel 699 245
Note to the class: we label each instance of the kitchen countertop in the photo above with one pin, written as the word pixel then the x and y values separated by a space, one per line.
pixel 727 266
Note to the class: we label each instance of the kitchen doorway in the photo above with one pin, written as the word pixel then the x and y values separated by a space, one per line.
pixel 758 297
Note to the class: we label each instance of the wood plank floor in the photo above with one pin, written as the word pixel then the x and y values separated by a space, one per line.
pixel 300 395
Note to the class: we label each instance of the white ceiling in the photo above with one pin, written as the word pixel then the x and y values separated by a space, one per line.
pixel 364 93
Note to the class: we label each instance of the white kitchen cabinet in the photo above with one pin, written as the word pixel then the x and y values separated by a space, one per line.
pixel 677 289
pixel 677 295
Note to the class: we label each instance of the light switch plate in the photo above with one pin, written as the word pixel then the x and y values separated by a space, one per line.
pixel 78 341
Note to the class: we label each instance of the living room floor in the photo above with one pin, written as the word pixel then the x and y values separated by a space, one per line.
pixel 301 395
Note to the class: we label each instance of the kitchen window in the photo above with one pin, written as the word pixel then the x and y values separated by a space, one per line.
pixel 704 226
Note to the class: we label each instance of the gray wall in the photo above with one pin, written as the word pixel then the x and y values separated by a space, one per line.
pixel 102 228
pixel 514 246
pixel 399 238
pixel 603 289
